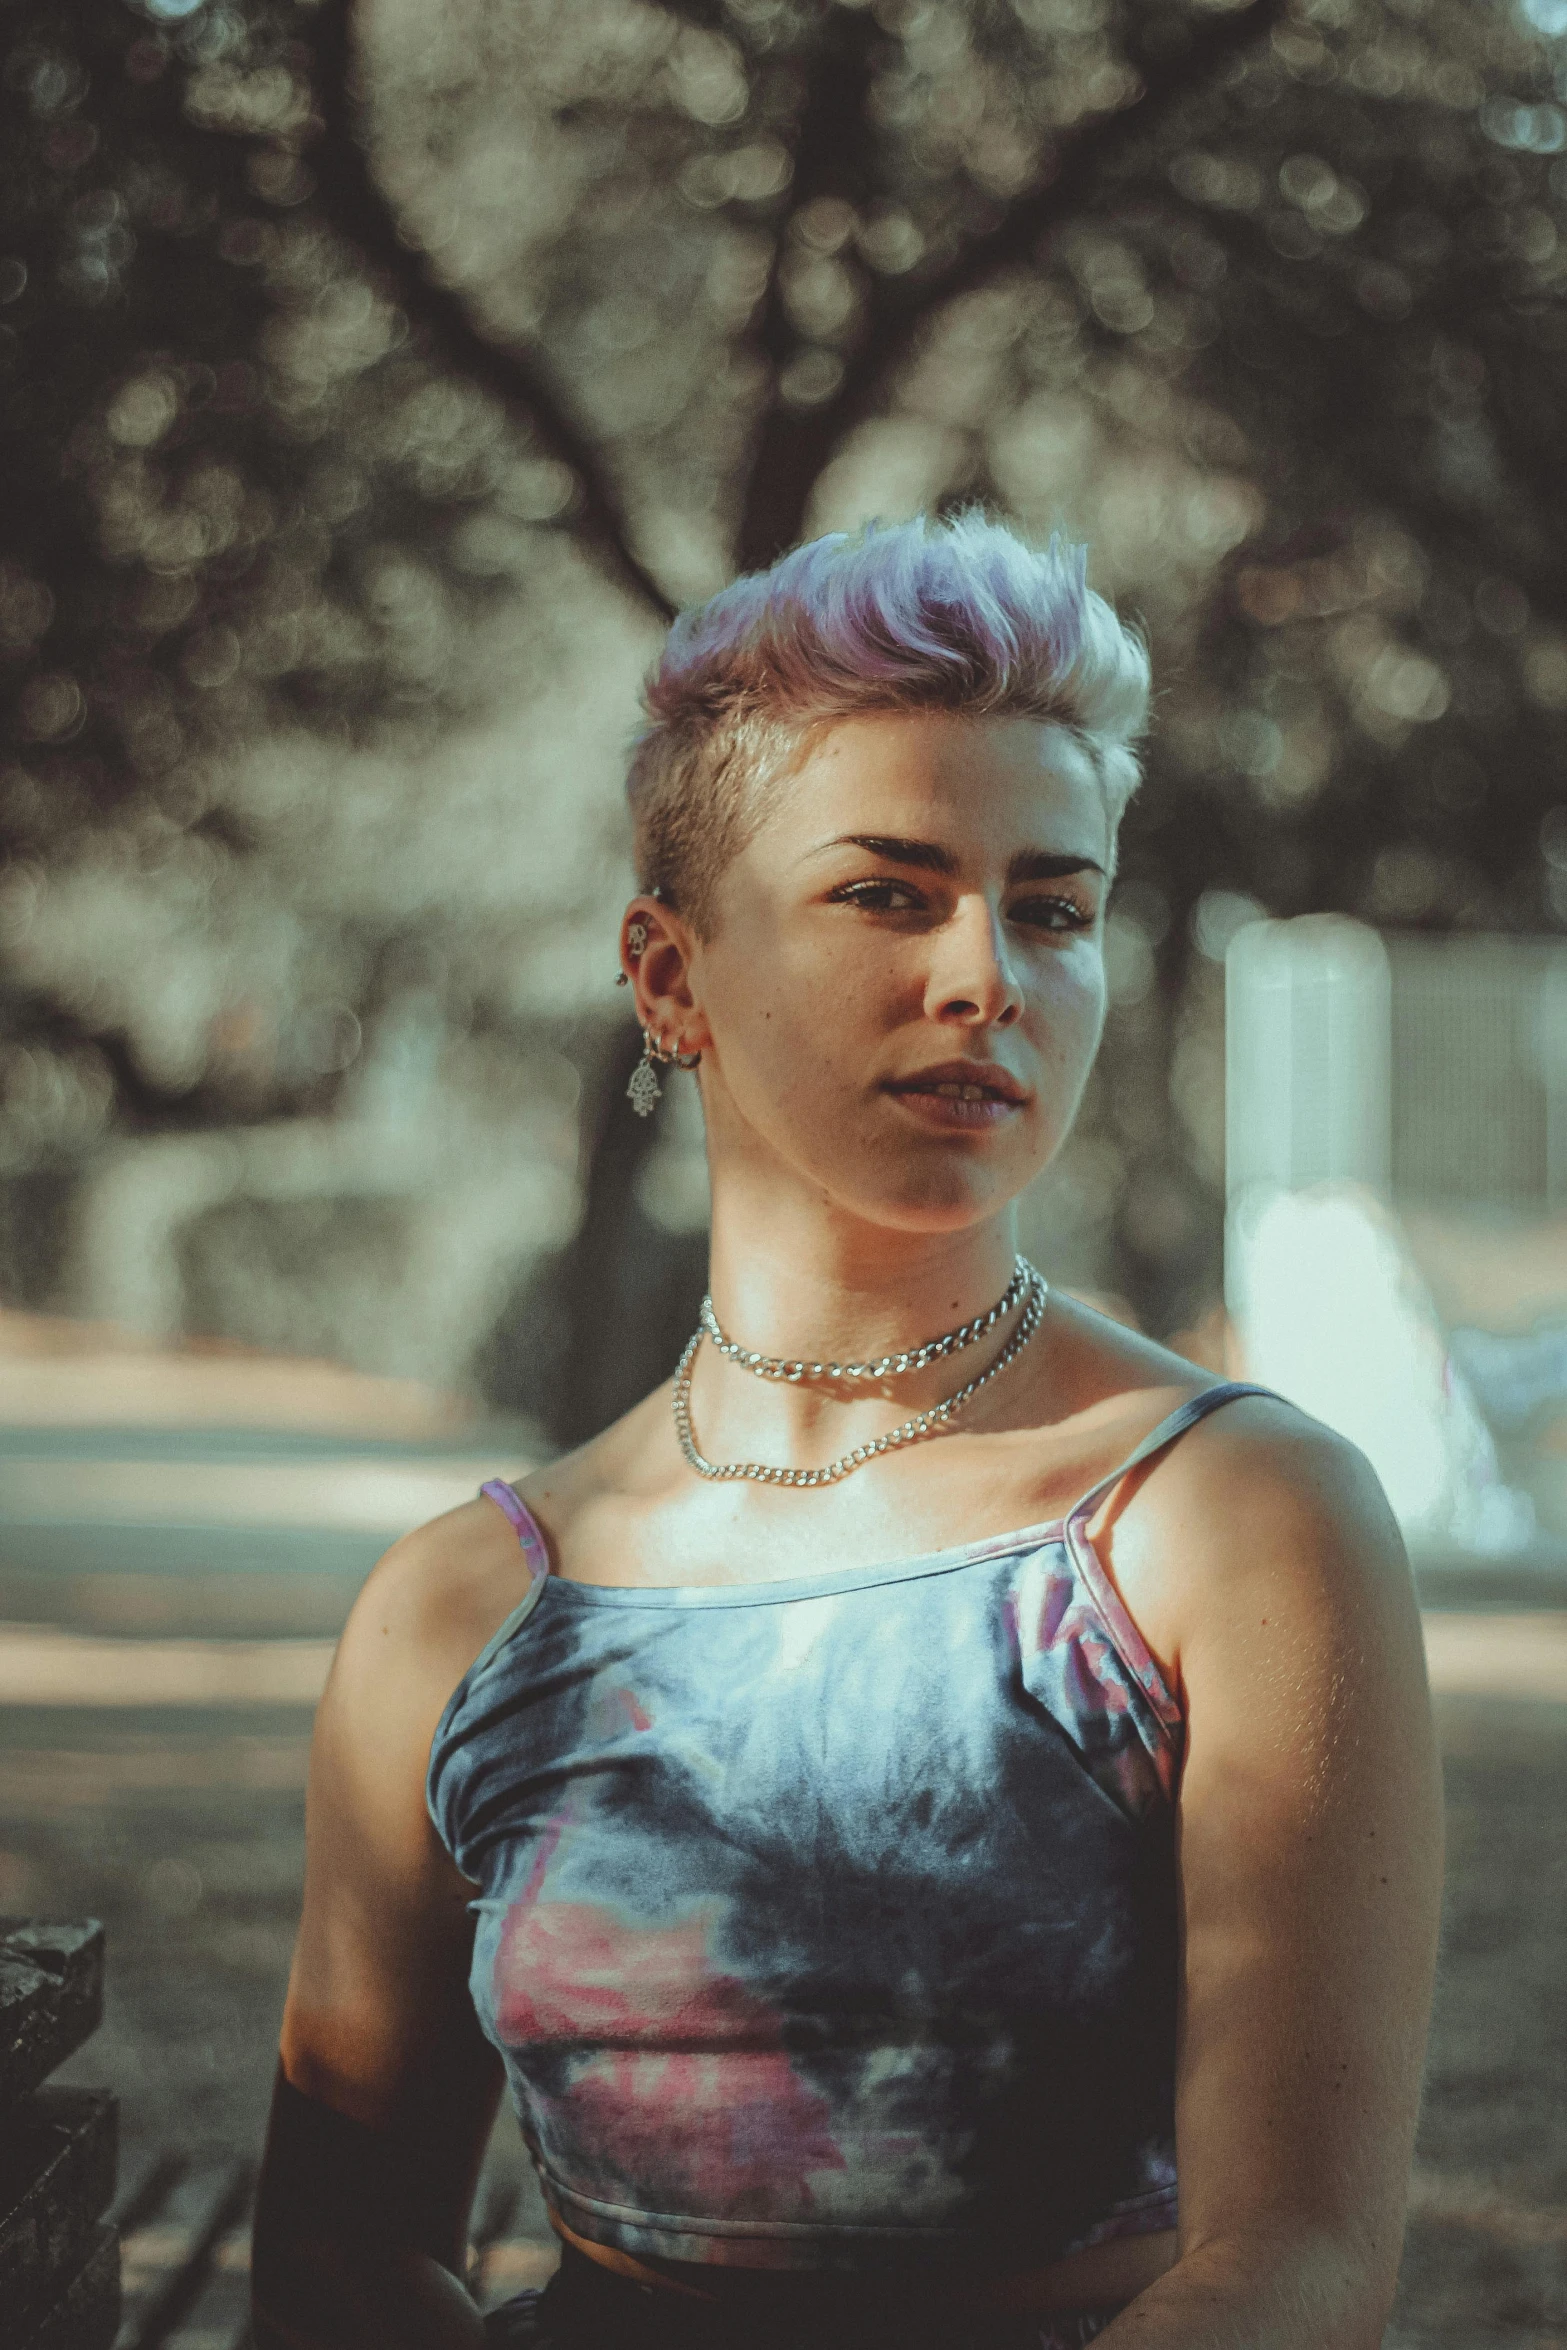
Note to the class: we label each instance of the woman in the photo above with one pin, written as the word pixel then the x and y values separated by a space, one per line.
pixel 879 1862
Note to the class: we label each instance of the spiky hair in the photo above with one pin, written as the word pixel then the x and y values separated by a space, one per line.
pixel 956 615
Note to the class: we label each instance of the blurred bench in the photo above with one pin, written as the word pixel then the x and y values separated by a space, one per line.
pixel 166 2265
pixel 59 2258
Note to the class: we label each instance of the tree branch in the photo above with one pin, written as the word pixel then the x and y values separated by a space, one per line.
pixel 356 206
pixel 830 151
pixel 1515 530
pixel 794 446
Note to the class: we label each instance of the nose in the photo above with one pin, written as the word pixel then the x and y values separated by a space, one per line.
pixel 972 982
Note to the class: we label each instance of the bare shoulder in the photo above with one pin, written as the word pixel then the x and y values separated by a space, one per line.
pixel 1254 1478
pixel 424 1613
pixel 1262 1525
pixel 1260 1482
pixel 607 1475
pixel 1109 1381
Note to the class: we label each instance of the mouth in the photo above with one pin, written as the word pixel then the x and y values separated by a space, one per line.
pixel 961 1093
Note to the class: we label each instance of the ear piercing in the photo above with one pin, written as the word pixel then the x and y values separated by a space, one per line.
pixel 644 1089
pixel 636 946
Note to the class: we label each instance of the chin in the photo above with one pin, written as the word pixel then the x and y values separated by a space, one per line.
pixel 965 1196
pixel 909 1182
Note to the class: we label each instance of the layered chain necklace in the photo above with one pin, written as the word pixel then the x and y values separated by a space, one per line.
pixel 1027 1288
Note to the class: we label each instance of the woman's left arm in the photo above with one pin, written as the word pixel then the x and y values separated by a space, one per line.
pixel 1309 1845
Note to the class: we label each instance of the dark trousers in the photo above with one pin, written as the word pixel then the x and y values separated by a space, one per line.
pixel 587 2307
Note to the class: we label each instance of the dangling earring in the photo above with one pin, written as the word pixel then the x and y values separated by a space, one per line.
pixel 644 1089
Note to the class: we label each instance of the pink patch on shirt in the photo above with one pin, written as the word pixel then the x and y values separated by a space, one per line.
pixel 683 2077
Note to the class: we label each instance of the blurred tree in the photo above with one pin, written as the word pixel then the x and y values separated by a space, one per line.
pixel 376 381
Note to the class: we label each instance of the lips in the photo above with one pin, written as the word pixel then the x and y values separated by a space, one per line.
pixel 963 1081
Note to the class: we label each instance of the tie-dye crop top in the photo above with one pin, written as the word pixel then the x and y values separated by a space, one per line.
pixel 830 1923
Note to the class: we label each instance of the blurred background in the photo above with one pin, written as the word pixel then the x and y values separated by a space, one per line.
pixel 374 384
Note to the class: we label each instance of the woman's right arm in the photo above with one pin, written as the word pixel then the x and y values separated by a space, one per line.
pixel 386 2089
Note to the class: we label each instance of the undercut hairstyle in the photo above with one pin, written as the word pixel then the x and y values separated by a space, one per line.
pixel 957 615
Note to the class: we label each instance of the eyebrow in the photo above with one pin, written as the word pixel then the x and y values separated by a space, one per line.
pixel 928 856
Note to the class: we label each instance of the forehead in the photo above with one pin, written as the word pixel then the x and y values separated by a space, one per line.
pixel 985 788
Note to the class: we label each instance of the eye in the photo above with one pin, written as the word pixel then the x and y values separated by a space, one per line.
pixel 1041 913
pixel 879 897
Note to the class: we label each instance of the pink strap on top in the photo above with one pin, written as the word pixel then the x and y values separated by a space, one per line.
pixel 526 1527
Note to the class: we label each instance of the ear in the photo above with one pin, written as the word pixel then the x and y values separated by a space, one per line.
pixel 660 975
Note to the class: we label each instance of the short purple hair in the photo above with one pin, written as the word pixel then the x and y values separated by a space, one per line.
pixel 956 615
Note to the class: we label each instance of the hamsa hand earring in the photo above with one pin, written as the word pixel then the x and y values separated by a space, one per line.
pixel 644 1089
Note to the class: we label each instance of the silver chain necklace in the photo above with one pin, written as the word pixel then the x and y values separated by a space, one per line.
pixel 885 1366
pixel 934 1422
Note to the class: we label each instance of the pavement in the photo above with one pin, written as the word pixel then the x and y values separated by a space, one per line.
pixel 168 1599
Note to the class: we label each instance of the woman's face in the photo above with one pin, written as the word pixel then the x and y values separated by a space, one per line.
pixel 904 989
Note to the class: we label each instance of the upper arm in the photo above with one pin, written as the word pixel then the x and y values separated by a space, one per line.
pixel 1309 1842
pixel 386 2088
pixel 378 2020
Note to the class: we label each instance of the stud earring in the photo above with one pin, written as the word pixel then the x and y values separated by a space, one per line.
pixel 636 947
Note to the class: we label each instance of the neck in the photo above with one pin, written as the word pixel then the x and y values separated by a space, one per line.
pixel 805 1281
pixel 842 1291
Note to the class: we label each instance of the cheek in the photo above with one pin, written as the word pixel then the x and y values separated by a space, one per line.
pixel 775 1026
pixel 816 1008
pixel 1069 1010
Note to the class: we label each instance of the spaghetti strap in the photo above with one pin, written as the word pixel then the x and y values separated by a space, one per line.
pixel 1176 1423
pixel 523 1523
pixel 536 1557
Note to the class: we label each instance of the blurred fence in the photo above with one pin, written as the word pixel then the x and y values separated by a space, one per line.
pixel 1397 1229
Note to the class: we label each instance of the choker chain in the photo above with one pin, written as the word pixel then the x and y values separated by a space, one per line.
pixel 893 1366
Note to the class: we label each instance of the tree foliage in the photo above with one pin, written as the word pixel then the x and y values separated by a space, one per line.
pixel 375 381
